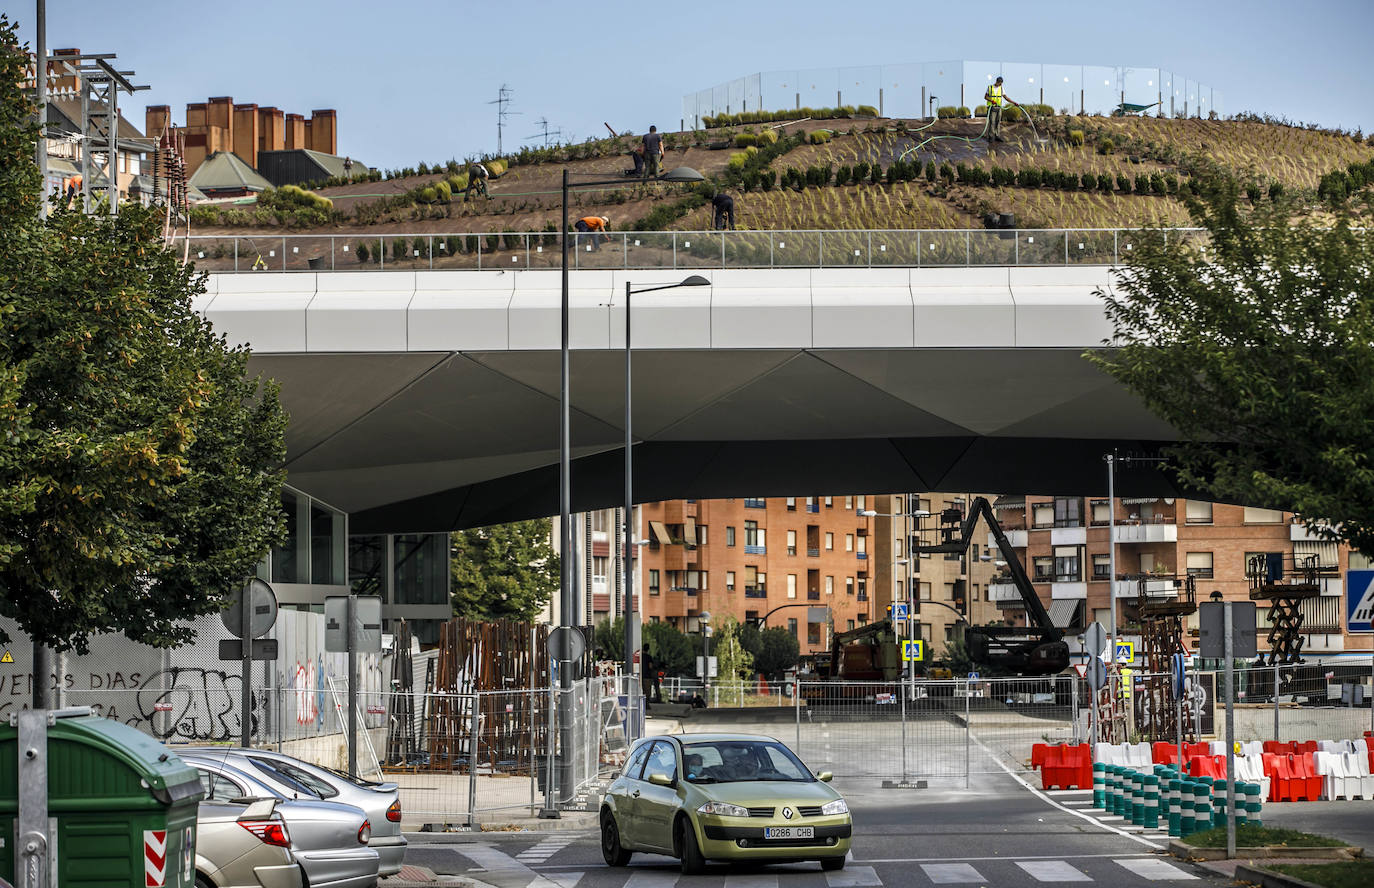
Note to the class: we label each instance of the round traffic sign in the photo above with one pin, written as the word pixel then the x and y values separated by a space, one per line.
pixel 262 610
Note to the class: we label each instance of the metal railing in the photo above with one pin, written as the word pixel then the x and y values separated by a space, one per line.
pixel 473 251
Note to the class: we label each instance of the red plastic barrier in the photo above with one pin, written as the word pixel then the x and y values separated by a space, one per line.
pixel 1271 770
pixel 1038 751
pixel 1282 782
pixel 1311 778
pixel 1304 746
pixel 1277 748
pixel 1164 753
pixel 1205 766
pixel 1064 766
pixel 1371 760
pixel 1193 750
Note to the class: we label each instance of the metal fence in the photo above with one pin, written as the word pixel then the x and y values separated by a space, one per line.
pixel 915 89
pixel 859 248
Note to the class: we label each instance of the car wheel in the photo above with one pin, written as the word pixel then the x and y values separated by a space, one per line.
pixel 202 882
pixel 611 849
pixel 829 864
pixel 692 862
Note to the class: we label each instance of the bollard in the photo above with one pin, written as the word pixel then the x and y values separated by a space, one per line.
pixel 1137 798
pixel 1240 804
pixel 1185 808
pixel 1174 785
pixel 1099 785
pixel 1218 803
pixel 1253 803
pixel 1202 805
pixel 1113 789
pixel 1151 801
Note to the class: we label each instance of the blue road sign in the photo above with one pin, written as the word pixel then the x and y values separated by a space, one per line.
pixel 899 611
pixel 1359 600
pixel 914 650
pixel 1125 651
pixel 1097 673
pixel 1180 667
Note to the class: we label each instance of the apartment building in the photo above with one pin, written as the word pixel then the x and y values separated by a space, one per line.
pixel 1063 543
pixel 804 563
pixel 245 129
pixel 598 580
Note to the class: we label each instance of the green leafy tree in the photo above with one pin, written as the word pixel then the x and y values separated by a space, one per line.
pixel 673 652
pixel 1258 351
pixel 505 571
pixel 609 638
pixel 774 650
pixel 140 479
pixel 733 662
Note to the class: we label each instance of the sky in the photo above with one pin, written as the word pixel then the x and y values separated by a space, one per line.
pixel 411 79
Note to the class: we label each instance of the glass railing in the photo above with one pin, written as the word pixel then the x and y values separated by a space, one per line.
pixel 947 248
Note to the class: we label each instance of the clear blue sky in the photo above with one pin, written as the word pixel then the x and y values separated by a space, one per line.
pixel 411 78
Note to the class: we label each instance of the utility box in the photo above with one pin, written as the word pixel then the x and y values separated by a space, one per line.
pixel 121 807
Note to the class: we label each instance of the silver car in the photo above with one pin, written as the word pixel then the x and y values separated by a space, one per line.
pixel 328 840
pixel 243 845
pixel 380 801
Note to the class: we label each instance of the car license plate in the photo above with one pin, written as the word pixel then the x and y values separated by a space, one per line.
pixel 789 832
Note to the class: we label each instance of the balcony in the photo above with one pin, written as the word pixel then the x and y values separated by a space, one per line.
pixel 1147 533
pixel 751 503
pixel 862 596
pixel 813 507
pixel 813 552
pixel 1005 595
pixel 755 592
pixel 862 556
pixel 755 550
pixel 1069 536
pixel 1298 533
pixel 813 595
pixel 1166 587
pixel 1017 539
pixel 1068 589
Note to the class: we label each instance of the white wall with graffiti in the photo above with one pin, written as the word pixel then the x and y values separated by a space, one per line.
pixel 189 695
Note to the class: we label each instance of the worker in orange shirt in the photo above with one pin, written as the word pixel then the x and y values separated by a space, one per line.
pixel 596 226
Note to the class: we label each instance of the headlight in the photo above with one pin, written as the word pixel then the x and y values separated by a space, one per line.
pixel 836 807
pixel 724 810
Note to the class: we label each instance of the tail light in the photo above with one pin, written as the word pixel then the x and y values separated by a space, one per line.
pixel 365 832
pixel 271 832
pixel 393 813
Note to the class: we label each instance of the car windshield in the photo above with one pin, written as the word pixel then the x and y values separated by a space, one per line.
pixel 736 761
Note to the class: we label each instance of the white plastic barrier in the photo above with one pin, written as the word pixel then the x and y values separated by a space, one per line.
pixel 1358 780
pixel 1328 767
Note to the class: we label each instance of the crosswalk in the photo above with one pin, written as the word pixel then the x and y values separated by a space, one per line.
pixel 1081 801
pixel 501 870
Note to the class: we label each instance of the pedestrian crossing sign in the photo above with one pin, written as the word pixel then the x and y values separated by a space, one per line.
pixel 1125 651
pixel 914 651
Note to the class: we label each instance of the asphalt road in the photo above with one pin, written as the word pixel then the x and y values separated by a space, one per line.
pixel 995 833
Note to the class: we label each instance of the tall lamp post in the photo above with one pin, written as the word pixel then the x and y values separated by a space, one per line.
pixel 627 563
pixel 565 536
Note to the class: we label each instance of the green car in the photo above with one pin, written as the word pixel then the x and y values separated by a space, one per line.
pixel 731 797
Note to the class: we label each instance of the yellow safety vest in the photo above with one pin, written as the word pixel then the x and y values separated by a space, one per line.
pixel 995 95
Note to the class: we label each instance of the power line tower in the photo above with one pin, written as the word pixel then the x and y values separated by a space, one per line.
pixel 503 99
pixel 544 131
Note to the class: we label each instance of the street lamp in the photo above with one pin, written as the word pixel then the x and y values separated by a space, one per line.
pixel 627 563
pixel 704 620
pixel 565 590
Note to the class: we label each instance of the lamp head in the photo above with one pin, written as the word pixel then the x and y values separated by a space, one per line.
pixel 695 280
pixel 868 513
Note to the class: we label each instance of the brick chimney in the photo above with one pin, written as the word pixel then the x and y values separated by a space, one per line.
pixel 246 133
pixel 155 118
pixel 271 129
pixel 295 131
pixel 324 132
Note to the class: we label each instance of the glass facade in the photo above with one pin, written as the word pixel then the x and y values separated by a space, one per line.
pixel 314 551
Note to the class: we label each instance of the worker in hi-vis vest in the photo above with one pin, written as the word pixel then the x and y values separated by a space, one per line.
pixel 995 98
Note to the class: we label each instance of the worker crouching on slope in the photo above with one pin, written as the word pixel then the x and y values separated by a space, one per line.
pixel 995 98
pixel 597 226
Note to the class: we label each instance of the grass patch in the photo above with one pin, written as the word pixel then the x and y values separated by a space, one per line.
pixel 1343 874
pixel 1249 836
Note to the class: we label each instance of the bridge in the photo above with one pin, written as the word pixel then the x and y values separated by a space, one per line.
pixel 427 400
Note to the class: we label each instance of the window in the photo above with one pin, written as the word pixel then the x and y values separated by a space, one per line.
pixel 791 504
pixel 1262 516
pixel 1042 515
pixel 863 545
pixel 792 625
pixel 662 760
pixel 753 534
pixel 791 585
pixel 729 581
pixel 729 535
pixel 599 568
pixel 949 633
pixel 1102 567
pixel 863 619
pixel 1043 569
pixel 791 542
pixel 1102 512
pixel 701 534
pixel 1200 564
pixel 636 762
pixel 829 501
pixel 923 505
pixel 924 592
pixel 1360 561
pixel 653 581
pixel 328 544
pixel 849 542
pixel 1199 512
pixel 599 522
pixel 849 585
pixel 849 504
pixel 286 567
pixel 849 625
pixel 829 541
pixel 859 502
pixel 813 633
pixel 1068 511
pixel 829 585
pixel 1068 564
pixel 863 588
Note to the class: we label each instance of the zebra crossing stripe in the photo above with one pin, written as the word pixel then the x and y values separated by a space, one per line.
pixel 498 863
pixel 1154 870
pixel 951 873
pixel 566 880
pixel 1052 871
pixel 854 877
pixel 653 878
pixel 752 881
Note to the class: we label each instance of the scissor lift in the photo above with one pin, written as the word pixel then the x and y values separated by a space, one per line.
pixel 1284 587
pixel 1162 603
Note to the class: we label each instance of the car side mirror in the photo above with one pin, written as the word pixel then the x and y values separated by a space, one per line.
pixel 824 776
pixel 660 779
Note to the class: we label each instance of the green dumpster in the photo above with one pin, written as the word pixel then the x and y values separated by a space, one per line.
pixel 124 805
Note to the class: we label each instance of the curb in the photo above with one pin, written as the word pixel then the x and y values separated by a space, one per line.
pixel 1191 853
pixel 1266 878
pixel 582 821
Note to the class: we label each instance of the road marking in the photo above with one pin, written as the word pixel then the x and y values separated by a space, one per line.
pixel 1052 871
pixel 566 880
pixel 1085 815
pixel 1067 792
pixel 854 877
pixel 751 882
pixel 653 878
pixel 499 864
pixel 951 873
pixel 1154 869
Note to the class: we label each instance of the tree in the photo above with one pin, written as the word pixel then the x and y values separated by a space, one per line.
pixel 733 662
pixel 775 650
pixel 140 479
pixel 504 572
pixel 673 652
pixel 609 638
pixel 1258 351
